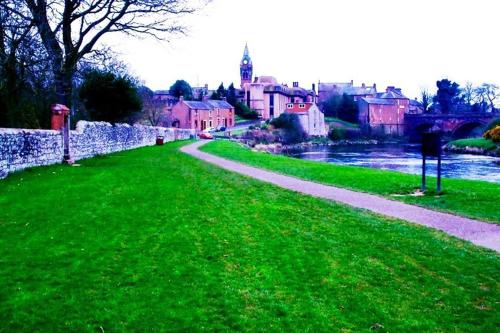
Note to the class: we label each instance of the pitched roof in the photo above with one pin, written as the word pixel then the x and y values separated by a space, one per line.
pixel 379 101
pixel 346 88
pixel 391 95
pixel 208 105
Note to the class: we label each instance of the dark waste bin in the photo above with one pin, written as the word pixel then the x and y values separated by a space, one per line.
pixel 159 140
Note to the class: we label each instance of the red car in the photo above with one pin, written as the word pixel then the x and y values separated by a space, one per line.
pixel 206 136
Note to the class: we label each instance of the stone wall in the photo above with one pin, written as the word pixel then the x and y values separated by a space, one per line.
pixel 25 148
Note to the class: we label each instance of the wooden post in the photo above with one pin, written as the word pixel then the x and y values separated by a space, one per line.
pixel 439 173
pixel 423 172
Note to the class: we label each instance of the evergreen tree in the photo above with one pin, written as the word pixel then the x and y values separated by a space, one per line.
pixel 181 88
pixel 231 95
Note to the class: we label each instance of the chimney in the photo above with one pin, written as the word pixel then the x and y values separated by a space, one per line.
pixel 352 82
pixel 206 86
pixel 314 87
pixel 389 89
pixel 363 85
pixel 224 98
pixel 205 98
pixel 398 90
pixel 295 84
pixel 181 98
pixel 375 86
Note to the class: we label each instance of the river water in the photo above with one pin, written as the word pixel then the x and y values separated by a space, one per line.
pixel 405 158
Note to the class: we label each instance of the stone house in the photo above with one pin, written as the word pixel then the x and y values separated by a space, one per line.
pixel 202 115
pixel 310 117
pixel 326 90
pixel 384 113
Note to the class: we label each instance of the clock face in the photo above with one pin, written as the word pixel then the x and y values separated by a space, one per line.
pixel 245 61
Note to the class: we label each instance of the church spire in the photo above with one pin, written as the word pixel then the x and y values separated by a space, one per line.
pixel 246 67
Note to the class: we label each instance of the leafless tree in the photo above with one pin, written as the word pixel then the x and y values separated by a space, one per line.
pixel 491 92
pixel 71 29
pixel 155 112
pixel 467 93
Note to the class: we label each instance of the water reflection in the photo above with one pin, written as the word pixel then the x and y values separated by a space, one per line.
pixel 405 158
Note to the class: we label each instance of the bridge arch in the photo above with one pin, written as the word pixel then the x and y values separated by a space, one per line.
pixel 468 129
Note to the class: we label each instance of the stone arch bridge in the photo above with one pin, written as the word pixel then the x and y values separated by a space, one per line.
pixel 454 126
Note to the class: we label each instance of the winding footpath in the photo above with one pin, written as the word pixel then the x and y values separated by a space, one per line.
pixel 480 233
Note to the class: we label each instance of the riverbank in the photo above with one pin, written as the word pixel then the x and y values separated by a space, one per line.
pixel 476 146
pixel 475 199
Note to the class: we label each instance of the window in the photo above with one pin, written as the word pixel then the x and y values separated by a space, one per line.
pixel 248 98
pixel 196 124
pixel 271 105
pixel 209 123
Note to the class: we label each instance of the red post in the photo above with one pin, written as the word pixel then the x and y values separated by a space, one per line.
pixel 60 121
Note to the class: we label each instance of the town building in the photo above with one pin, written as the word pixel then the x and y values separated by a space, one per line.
pixel 310 117
pixel 265 95
pixel 385 112
pixel 326 90
pixel 201 115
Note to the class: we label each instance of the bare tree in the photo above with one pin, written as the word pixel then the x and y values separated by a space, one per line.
pixel 71 29
pixel 467 93
pixel 491 92
pixel 154 109
pixel 480 98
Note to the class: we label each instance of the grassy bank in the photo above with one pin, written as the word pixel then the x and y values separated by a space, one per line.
pixel 464 197
pixel 481 143
pixel 154 240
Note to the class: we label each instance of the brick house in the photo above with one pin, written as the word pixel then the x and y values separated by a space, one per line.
pixel 385 112
pixel 310 117
pixel 202 115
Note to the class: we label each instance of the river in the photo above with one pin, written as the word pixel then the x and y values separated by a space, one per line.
pixel 405 158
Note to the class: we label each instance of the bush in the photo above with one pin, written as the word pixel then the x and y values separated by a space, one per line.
pixel 290 124
pixel 338 133
pixel 493 134
pixel 244 111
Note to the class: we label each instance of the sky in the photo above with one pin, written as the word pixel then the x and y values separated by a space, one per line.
pixel 405 43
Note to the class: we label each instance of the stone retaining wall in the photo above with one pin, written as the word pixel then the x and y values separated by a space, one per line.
pixel 25 148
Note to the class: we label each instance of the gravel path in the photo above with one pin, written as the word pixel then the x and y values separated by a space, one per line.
pixel 477 232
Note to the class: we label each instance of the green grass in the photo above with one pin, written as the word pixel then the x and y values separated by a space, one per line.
pixel 239 119
pixel 154 240
pixel 474 199
pixel 475 142
pixel 340 123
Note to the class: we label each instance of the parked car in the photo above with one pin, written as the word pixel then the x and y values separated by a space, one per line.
pixel 220 128
pixel 210 130
pixel 205 135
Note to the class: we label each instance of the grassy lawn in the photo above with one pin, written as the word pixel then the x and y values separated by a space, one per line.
pixel 340 123
pixel 154 240
pixel 475 142
pixel 470 198
pixel 239 119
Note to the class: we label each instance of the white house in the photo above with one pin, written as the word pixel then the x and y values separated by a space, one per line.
pixel 310 116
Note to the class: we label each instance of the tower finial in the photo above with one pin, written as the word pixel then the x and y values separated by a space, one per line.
pixel 245 53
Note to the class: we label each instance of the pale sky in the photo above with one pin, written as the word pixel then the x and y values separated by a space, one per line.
pixel 406 43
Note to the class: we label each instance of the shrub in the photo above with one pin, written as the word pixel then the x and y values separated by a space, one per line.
pixel 292 129
pixel 337 134
pixel 242 110
pixel 493 134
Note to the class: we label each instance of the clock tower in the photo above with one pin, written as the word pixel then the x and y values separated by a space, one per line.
pixel 246 68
